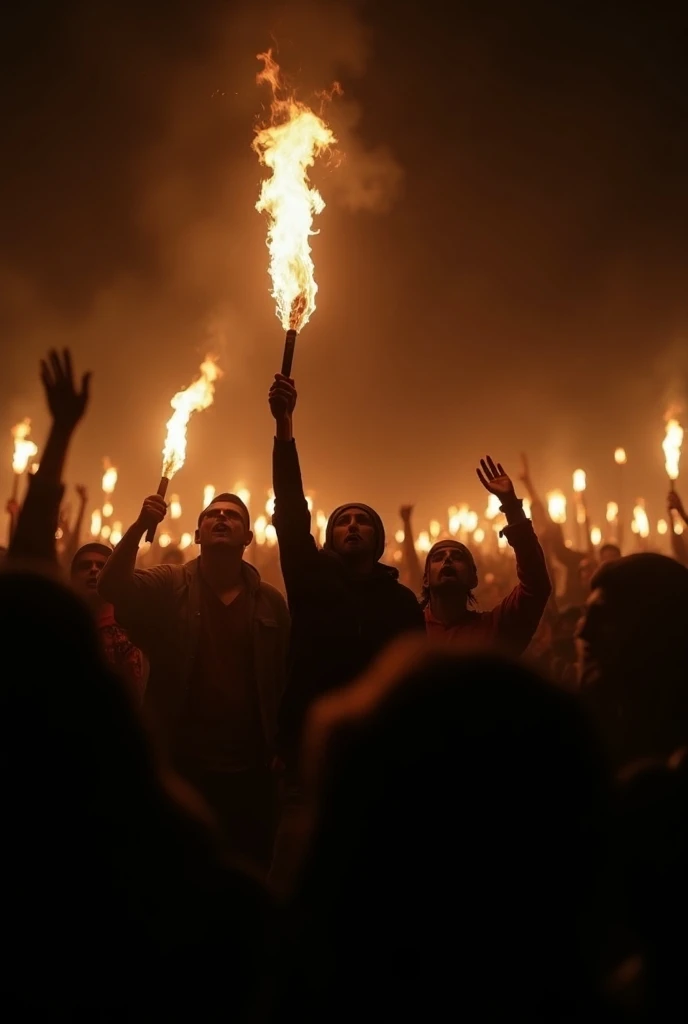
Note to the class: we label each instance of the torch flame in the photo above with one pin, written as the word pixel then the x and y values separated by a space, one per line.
pixel 23 448
pixel 208 495
pixel 620 457
pixel 556 506
pixel 288 147
pixel 579 481
pixel 109 478
pixel 196 397
pixel 641 524
pixel 612 511
pixel 673 439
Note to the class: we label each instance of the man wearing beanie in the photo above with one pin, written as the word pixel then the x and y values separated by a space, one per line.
pixel 345 604
pixel 217 639
pixel 451 576
pixel 122 655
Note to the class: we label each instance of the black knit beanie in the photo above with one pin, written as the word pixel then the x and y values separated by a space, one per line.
pixel 377 524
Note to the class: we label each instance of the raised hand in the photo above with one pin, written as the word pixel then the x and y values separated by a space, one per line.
pixel 494 479
pixel 406 511
pixel 675 504
pixel 282 397
pixel 152 513
pixel 66 404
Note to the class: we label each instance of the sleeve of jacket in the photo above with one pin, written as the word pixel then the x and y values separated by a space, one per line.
pixel 292 519
pixel 34 537
pixel 138 607
pixel 519 614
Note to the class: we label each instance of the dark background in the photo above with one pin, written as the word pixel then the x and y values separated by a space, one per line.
pixel 502 261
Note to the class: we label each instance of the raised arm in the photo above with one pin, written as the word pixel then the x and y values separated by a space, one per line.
pixel 411 559
pixel 292 517
pixel 119 582
pixel 34 536
pixel 518 615
pixel 677 511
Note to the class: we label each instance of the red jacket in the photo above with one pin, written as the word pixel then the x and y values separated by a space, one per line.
pixel 511 625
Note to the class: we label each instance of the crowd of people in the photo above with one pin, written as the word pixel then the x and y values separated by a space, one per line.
pixel 345 795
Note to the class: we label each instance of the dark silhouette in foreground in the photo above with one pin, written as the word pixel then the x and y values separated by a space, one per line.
pixel 457 850
pixel 117 898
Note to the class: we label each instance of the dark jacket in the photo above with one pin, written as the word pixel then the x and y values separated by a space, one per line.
pixel 162 612
pixel 339 622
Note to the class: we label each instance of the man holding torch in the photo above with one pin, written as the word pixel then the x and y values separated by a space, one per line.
pixel 216 638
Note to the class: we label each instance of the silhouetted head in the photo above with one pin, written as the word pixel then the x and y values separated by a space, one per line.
pixel 458 820
pixel 224 525
pixel 449 569
pixel 86 568
pixel 355 533
pixel 633 645
pixel 609 553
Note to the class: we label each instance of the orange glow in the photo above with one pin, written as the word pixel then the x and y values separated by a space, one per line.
pixel 116 534
pixel 423 543
pixel 164 540
pixel 596 536
pixel 579 481
pixel 185 541
pixel 556 506
pixel 175 507
pixel 641 524
pixel 321 526
pixel 105 532
pixel 662 527
pixel 620 457
pixel 96 523
pixel 109 477
pixel 399 536
pixel 107 509
pixel 270 535
pixel 288 147
pixel 493 506
pixel 434 529
pixel 479 535
pixel 24 449
pixel 612 511
pixel 208 494
pixel 259 528
pixel 196 397
pixel 678 528
pixel 270 503
pixel 673 439
pixel 242 492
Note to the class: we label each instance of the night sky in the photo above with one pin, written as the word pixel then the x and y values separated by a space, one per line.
pixel 502 261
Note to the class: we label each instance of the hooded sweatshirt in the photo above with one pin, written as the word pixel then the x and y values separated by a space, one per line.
pixel 340 621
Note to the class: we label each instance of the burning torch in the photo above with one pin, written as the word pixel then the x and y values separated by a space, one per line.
pixel 24 449
pixel 288 146
pixel 196 397
pixel 671 445
pixel 108 484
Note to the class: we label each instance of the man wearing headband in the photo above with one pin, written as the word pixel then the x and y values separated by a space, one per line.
pixel 451 576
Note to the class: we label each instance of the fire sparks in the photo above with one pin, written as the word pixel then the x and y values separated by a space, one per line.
pixel 620 457
pixel 556 506
pixel 196 397
pixel 288 147
pixel 109 477
pixel 579 481
pixel 673 439
pixel 24 449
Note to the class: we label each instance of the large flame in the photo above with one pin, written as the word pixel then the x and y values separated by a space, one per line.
pixel 673 439
pixel 24 449
pixel 640 524
pixel 288 147
pixel 197 396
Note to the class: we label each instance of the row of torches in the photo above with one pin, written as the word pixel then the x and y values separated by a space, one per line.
pixel 462 521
